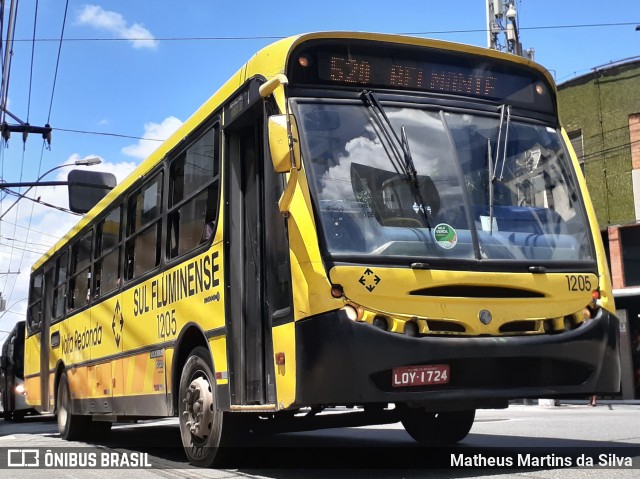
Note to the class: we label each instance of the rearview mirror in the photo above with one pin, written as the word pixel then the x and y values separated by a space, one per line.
pixel 87 188
pixel 283 156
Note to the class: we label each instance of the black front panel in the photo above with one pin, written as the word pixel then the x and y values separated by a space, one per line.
pixel 340 361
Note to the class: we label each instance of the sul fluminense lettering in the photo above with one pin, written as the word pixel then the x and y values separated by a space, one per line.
pixel 188 280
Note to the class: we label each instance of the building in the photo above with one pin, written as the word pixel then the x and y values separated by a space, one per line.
pixel 601 113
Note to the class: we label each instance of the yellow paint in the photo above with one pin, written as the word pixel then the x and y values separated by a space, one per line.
pixel 284 341
pixel 392 296
pixel 34 391
pixel 606 286
pixel 218 347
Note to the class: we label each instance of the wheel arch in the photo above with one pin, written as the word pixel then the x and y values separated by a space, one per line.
pixel 190 337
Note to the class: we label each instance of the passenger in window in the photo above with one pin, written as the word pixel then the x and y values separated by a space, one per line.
pixel 208 231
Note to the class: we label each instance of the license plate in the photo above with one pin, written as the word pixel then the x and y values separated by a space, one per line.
pixel 420 375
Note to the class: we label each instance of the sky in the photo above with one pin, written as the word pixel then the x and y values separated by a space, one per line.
pixel 127 74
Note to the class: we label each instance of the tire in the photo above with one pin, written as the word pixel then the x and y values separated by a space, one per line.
pixel 200 419
pixel 71 426
pixel 436 428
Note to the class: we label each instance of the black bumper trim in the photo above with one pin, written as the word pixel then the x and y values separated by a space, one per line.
pixel 340 361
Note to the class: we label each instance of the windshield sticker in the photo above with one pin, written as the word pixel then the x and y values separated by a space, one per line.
pixel 488 223
pixel 445 236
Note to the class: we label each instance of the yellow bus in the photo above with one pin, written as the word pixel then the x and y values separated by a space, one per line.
pixel 393 225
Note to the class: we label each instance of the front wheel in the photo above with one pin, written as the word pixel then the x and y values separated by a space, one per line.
pixel 200 419
pixel 436 428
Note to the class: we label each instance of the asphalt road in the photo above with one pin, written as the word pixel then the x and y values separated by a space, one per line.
pixel 559 434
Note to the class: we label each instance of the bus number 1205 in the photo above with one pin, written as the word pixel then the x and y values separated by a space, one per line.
pixel 578 282
pixel 167 325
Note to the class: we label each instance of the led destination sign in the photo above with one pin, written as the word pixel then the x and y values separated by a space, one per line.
pixel 409 74
pixel 422 69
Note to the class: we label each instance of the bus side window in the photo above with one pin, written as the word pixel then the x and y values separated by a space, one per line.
pixel 34 314
pixel 107 265
pixel 144 229
pixel 60 285
pixel 193 195
pixel 80 281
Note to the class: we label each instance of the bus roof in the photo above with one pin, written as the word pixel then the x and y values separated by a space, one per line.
pixel 267 62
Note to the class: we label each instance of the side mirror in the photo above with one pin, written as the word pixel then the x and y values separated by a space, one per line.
pixel 87 188
pixel 284 154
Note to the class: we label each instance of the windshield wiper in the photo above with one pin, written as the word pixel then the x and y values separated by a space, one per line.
pixel 501 147
pixel 401 158
pixel 408 159
pixel 490 183
pixel 404 160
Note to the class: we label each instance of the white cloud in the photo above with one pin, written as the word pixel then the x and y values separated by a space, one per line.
pixel 114 23
pixel 32 227
pixel 152 131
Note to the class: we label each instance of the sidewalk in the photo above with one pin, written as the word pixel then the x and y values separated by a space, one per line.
pixel 611 403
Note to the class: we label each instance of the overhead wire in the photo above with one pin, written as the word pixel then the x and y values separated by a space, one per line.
pixel 103 133
pixel 6 75
pixel 33 47
pixel 31 229
pixel 280 37
pixel 1 41
pixel 53 89
pixel 8 53
pixel 55 75
pixel 40 202
pixel 25 250
pixel 25 242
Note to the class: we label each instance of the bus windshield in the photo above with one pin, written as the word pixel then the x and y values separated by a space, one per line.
pixel 484 187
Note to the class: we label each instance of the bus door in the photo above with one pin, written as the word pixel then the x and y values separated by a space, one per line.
pixel 247 316
pixel 50 345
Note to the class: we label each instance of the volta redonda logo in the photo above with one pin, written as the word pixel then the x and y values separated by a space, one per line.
pixel 77 341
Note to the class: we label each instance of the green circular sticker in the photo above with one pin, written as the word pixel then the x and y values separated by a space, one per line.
pixel 445 235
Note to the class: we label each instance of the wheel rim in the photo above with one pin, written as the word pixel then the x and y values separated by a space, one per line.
pixel 198 410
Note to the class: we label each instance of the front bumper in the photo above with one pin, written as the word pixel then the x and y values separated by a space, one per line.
pixel 339 361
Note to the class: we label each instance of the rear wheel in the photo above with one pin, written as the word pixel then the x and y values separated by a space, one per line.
pixel 200 420
pixel 436 428
pixel 71 426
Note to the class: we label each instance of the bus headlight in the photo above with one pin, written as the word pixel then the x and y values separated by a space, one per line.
pixel 20 389
pixel 352 313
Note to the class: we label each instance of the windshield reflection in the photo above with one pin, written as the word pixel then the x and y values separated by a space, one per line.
pixel 480 195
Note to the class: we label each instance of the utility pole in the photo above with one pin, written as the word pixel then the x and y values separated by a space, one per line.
pixel 502 20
